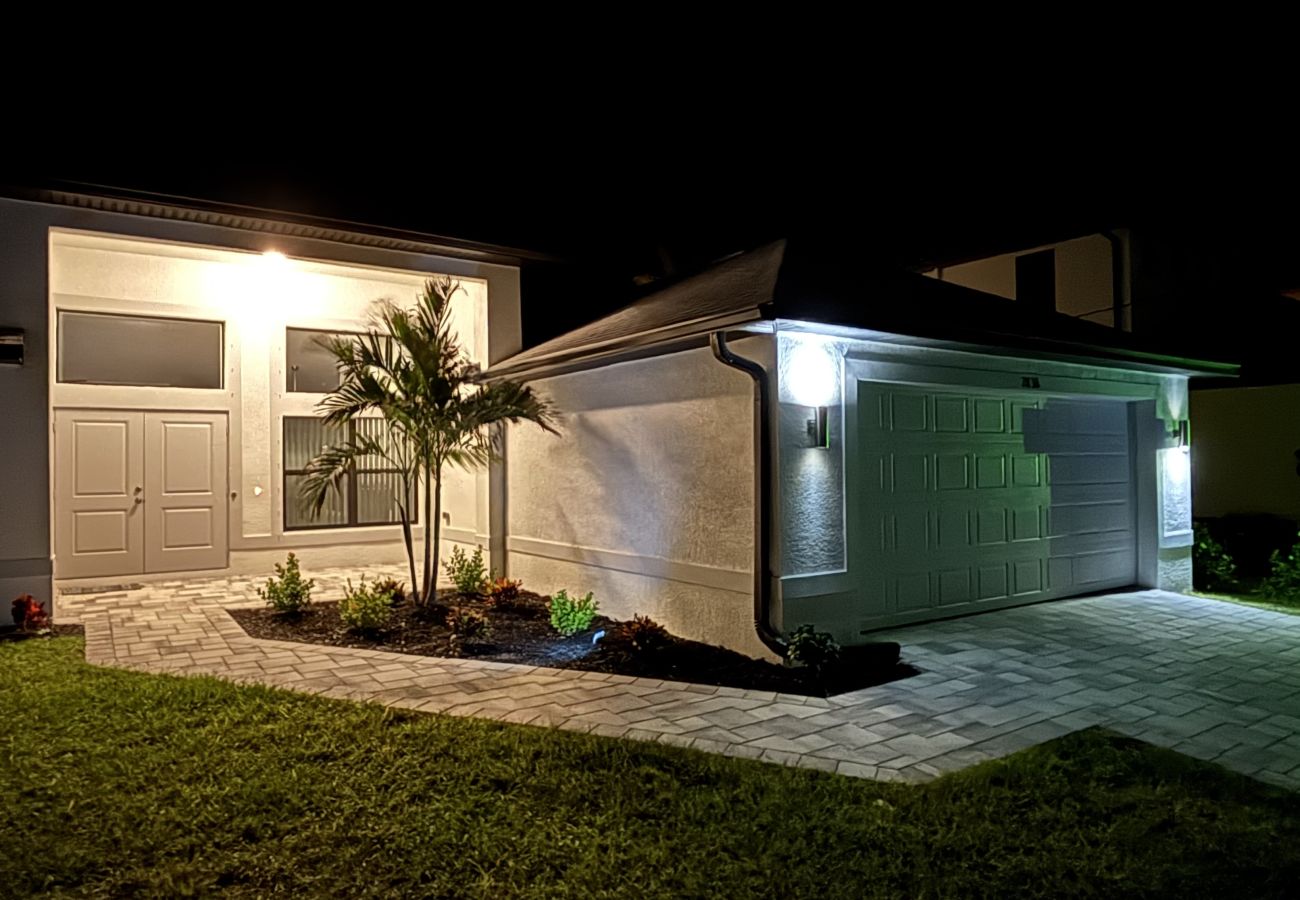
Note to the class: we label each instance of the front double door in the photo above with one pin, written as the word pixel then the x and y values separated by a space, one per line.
pixel 139 492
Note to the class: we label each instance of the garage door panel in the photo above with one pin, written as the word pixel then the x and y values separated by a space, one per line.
pixel 976 513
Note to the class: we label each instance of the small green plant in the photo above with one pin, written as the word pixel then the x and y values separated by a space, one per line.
pixel 396 590
pixel 365 608
pixel 569 616
pixel 1283 582
pixel 816 650
pixel 1213 568
pixel 288 593
pixel 643 635
pixel 466 571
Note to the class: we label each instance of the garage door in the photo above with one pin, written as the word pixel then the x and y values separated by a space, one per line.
pixel 978 501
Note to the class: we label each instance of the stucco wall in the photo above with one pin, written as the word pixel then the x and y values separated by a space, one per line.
pixel 25 392
pixel 1244 443
pixel 647 496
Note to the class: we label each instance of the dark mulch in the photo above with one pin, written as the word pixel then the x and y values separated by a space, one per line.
pixel 520 632
pixel 10 633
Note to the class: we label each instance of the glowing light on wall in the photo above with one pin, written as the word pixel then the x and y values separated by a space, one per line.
pixel 811 374
pixel 1178 465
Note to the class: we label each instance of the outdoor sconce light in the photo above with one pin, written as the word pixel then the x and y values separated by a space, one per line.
pixel 819 428
pixel 1183 434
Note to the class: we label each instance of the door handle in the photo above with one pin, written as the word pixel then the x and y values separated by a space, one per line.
pixel 138 498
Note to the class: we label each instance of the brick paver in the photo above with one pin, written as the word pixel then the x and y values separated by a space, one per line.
pixel 1213 680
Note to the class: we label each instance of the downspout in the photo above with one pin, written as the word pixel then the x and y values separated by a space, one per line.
pixel 762 491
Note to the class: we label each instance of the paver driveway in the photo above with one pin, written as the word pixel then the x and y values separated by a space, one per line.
pixel 1214 680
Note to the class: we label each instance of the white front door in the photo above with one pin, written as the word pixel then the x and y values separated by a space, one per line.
pixel 185 491
pixel 99 492
pixel 986 500
pixel 139 492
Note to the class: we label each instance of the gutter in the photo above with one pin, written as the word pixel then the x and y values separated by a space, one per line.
pixel 762 492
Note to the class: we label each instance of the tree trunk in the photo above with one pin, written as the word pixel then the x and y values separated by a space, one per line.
pixel 410 549
pixel 432 527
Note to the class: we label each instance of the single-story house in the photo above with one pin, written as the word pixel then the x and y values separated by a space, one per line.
pixel 782 439
pixel 790 439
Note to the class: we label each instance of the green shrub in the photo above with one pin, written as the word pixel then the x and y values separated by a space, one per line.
pixel 1283 582
pixel 366 607
pixel 569 616
pixel 288 593
pixel 396 590
pixel 1213 568
pixel 816 650
pixel 466 572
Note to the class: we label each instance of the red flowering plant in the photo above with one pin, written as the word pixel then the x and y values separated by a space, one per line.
pixel 29 615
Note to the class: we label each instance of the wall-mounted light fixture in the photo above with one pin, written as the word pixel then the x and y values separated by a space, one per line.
pixel 819 427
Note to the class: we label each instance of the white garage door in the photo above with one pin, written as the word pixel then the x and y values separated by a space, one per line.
pixel 984 500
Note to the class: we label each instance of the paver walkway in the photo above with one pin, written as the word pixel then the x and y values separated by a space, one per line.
pixel 1214 680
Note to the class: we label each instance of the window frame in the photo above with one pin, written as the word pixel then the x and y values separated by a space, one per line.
pixel 59 335
pixel 350 492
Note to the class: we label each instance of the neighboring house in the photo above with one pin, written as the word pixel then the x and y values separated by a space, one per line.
pixel 1246 444
pixel 853 451
pixel 161 377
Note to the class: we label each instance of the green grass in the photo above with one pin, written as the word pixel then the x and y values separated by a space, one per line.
pixel 121 784
pixel 1247 597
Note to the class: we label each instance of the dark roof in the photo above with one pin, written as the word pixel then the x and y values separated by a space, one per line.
pixel 786 280
pixel 269 221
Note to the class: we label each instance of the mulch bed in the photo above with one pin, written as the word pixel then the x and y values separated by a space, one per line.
pixel 520 632
pixel 10 633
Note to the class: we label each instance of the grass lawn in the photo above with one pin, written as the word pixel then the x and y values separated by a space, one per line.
pixel 1250 598
pixel 121 784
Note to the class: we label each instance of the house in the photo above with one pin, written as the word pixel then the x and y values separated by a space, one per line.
pixel 159 376
pixel 1172 285
pixel 790 439
pixel 785 438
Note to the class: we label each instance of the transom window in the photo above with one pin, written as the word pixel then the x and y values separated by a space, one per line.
pixel 147 351
pixel 368 494
pixel 310 368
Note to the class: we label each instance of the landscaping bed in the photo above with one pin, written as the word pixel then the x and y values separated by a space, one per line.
pixel 13 633
pixel 519 631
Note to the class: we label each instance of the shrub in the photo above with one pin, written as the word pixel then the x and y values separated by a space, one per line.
pixel 396 590
pixel 643 635
pixel 467 624
pixel 1283 582
pixel 503 589
pixel 29 615
pixel 466 572
pixel 1213 568
pixel 816 650
pixel 287 593
pixel 365 608
pixel 569 616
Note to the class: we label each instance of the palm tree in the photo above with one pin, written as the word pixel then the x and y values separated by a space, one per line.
pixel 411 370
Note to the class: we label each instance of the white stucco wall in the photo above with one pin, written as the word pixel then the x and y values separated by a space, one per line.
pixel 816 547
pixel 647 497
pixel 1244 445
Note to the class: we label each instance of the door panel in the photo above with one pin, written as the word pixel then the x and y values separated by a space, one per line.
pixel 99 492
pixel 186 505
pixel 990 500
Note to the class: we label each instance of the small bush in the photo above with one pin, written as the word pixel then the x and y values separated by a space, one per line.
pixel 643 635
pixel 365 608
pixel 29 615
pixel 1213 568
pixel 503 590
pixel 396 590
pixel 466 572
pixel 816 650
pixel 1283 582
pixel 569 616
pixel 287 593
pixel 467 624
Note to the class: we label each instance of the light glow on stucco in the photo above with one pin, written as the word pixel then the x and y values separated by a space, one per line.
pixel 811 373
pixel 1177 465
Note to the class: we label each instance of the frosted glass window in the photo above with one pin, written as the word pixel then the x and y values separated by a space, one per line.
pixel 96 348
pixel 367 495
pixel 309 365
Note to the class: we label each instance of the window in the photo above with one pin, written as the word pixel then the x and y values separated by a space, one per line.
pixel 309 365
pixel 368 494
pixel 98 348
